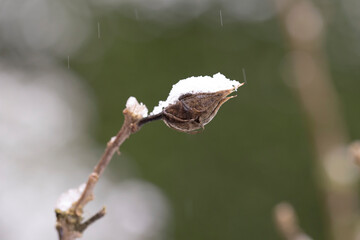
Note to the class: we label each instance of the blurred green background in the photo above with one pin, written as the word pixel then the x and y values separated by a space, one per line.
pixel 222 183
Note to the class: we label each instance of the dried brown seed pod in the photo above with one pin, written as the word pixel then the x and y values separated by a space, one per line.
pixel 193 110
pixel 193 102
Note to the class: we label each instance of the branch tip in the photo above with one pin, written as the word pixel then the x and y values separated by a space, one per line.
pixel 93 219
pixel 69 223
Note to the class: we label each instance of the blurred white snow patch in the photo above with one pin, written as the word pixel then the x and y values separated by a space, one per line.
pixel 37 108
pixel 201 84
pixel 60 28
pixel 69 197
pixel 137 210
pixel 46 26
pixel 136 108
pixel 43 115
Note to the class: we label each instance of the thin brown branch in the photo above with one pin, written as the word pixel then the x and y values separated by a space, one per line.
pixel 69 223
pixel 151 118
pixel 129 126
pixel 93 219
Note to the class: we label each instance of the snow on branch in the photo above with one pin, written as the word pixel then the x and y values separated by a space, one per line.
pixel 136 108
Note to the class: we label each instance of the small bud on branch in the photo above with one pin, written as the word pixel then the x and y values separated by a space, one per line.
pixel 194 102
pixel 192 111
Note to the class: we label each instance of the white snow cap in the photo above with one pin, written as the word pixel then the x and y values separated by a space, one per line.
pixel 136 108
pixel 201 84
pixel 69 197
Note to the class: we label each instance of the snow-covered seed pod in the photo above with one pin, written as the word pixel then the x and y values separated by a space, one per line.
pixel 193 102
pixel 192 111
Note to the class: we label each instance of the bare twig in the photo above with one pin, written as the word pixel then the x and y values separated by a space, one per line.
pixel 69 223
pixel 287 223
pixel 129 126
pixel 150 118
pixel 93 219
